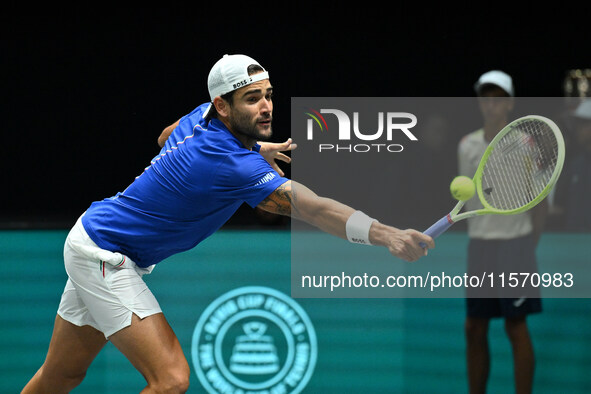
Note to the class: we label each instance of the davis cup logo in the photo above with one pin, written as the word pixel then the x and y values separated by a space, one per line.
pixel 254 339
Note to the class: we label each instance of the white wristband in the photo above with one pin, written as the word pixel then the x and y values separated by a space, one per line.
pixel 357 228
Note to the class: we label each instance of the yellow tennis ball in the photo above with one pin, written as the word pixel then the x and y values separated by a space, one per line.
pixel 462 188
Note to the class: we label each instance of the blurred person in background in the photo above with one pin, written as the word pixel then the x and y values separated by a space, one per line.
pixel 496 242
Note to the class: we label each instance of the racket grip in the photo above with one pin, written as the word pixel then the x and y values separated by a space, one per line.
pixel 438 228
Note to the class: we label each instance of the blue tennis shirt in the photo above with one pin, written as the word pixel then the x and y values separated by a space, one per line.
pixel 199 179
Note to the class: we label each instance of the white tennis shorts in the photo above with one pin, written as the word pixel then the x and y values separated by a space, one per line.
pixel 104 288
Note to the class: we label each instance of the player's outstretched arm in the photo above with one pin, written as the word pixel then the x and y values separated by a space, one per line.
pixel 296 200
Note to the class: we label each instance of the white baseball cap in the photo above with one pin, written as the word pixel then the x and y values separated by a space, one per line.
pixel 230 73
pixel 583 111
pixel 498 78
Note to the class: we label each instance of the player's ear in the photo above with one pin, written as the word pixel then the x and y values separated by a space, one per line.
pixel 221 106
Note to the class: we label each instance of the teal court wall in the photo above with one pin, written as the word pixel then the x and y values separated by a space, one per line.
pixel 363 345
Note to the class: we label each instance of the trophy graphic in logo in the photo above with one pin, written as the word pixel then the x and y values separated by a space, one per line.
pixel 254 353
pixel 254 339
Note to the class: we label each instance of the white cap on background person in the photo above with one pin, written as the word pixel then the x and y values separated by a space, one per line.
pixel 583 111
pixel 497 78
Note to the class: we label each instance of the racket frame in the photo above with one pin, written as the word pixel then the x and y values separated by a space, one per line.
pixel 477 179
pixel 454 215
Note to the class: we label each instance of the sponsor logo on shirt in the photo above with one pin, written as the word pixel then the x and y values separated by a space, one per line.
pixel 270 176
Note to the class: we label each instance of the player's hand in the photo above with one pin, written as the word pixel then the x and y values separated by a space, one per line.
pixel 271 151
pixel 406 244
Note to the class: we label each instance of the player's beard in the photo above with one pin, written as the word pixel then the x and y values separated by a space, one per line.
pixel 243 124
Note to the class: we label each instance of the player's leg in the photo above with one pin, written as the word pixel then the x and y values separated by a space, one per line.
pixel 154 350
pixel 71 351
pixel 520 254
pixel 127 313
pixel 112 304
pixel 116 301
pixel 523 353
pixel 479 310
pixel 516 311
pixel 477 353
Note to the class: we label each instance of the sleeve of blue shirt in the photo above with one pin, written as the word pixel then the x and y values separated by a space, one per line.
pixel 195 118
pixel 247 176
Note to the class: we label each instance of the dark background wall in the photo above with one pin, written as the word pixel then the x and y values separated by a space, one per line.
pixel 86 93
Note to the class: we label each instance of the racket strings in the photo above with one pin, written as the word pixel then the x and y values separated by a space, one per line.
pixel 520 166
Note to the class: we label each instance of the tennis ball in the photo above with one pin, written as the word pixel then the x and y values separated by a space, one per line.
pixel 462 188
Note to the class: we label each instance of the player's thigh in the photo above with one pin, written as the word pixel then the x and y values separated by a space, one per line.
pixel 152 347
pixel 71 350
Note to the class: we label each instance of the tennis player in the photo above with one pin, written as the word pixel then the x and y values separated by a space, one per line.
pixel 497 242
pixel 209 165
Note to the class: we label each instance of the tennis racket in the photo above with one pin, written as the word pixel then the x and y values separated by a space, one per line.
pixel 516 172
